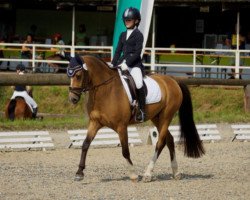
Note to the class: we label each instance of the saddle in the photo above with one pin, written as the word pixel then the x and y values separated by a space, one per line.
pixel 132 88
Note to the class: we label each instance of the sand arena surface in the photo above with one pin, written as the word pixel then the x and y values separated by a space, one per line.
pixel 223 173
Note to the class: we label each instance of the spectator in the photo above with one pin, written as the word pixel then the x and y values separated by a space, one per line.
pixel 26 52
pixel 57 40
pixel 59 52
pixel 81 36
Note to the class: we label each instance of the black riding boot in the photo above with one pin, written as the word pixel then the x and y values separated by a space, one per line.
pixel 140 116
pixel 34 113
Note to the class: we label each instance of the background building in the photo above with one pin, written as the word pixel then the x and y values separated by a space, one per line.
pixel 184 23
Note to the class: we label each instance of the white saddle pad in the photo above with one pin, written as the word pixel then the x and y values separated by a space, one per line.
pixel 154 92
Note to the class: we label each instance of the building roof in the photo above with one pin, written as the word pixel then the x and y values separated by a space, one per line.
pixel 49 3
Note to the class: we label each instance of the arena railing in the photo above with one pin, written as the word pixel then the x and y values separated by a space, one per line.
pixel 153 57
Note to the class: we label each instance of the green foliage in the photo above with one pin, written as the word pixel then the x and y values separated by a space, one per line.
pixel 210 105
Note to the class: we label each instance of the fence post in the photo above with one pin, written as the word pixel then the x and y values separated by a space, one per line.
pixel 194 62
pixel 247 98
pixel 152 67
pixel 33 58
pixel 237 63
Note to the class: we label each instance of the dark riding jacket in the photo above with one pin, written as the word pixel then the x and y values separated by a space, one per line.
pixel 129 50
pixel 20 88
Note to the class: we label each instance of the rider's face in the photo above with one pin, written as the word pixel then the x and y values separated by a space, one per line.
pixel 130 23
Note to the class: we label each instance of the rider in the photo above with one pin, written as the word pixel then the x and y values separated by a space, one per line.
pixel 22 91
pixel 128 54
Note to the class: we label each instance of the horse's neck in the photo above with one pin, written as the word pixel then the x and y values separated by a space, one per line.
pixel 100 73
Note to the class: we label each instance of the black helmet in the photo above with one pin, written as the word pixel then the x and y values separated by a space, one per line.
pixel 132 13
pixel 20 67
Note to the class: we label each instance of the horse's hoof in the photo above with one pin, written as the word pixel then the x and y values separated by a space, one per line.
pixel 147 178
pixel 177 176
pixel 134 178
pixel 78 177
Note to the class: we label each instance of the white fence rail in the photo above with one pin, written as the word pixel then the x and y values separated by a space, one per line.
pixel 151 53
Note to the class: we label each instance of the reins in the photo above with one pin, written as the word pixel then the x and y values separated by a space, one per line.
pixel 98 85
pixel 77 90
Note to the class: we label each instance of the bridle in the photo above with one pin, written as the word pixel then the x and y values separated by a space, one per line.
pixel 85 86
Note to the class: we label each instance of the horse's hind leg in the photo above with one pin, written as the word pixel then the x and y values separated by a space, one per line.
pixel 171 147
pixel 123 136
pixel 158 149
pixel 162 124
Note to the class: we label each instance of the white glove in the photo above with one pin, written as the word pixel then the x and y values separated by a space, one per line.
pixel 124 66
pixel 110 65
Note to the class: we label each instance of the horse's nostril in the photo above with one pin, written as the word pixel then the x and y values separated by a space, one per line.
pixel 73 100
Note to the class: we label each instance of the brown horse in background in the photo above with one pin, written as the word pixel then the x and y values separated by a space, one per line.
pixel 108 106
pixel 17 109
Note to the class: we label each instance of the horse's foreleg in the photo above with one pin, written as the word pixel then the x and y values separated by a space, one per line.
pixel 92 130
pixel 174 165
pixel 123 135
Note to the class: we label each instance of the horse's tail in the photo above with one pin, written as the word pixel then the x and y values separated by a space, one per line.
pixel 11 109
pixel 189 134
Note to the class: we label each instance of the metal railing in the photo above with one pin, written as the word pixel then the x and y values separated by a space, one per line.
pixel 154 55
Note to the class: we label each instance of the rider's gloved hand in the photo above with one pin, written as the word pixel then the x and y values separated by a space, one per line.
pixel 110 65
pixel 124 66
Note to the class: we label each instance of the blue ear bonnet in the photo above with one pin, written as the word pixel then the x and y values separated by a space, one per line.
pixel 71 71
pixel 75 65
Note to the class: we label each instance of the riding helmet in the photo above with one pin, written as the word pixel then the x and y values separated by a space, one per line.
pixel 132 13
pixel 20 67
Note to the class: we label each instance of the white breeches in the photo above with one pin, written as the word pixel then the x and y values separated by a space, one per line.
pixel 26 97
pixel 137 76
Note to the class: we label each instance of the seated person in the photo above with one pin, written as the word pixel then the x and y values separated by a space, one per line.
pixel 81 36
pixel 23 91
pixel 59 52
pixel 26 52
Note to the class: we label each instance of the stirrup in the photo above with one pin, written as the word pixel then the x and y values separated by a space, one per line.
pixel 140 116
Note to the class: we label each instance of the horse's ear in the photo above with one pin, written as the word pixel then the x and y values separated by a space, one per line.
pixel 79 59
pixel 68 58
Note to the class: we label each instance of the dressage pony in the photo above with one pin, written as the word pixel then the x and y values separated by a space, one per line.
pixel 17 109
pixel 108 106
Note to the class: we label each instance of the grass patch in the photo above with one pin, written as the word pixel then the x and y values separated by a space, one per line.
pixel 210 105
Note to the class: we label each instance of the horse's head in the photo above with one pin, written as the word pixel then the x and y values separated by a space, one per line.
pixel 88 77
pixel 79 79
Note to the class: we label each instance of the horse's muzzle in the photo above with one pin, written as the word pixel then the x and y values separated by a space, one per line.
pixel 73 98
pixel 74 94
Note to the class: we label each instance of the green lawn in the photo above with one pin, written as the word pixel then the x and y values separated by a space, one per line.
pixel 210 105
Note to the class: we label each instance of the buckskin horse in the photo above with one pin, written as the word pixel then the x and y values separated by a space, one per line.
pixel 17 109
pixel 108 106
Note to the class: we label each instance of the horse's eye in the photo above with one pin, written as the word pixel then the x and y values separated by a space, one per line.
pixel 78 77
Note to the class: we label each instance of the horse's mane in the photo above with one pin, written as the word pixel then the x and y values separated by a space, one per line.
pixel 98 59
